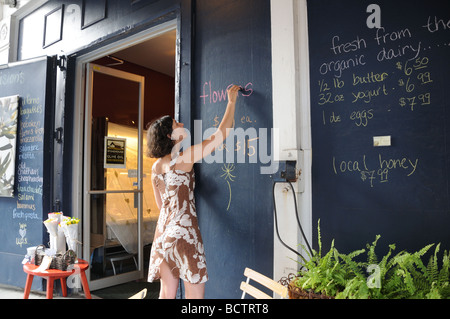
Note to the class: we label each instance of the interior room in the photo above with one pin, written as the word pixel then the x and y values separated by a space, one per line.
pixel 115 114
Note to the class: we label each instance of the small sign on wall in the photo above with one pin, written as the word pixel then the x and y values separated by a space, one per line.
pixel 115 152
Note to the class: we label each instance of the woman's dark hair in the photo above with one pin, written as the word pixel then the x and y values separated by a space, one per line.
pixel 159 143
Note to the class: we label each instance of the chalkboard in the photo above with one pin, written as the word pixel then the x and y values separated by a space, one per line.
pixel 233 198
pixel 23 214
pixel 380 121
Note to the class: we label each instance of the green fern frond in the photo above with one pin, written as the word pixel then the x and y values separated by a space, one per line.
pixel 353 267
pixel 444 273
pixel 386 263
pixel 433 266
pixel 371 256
pixel 356 253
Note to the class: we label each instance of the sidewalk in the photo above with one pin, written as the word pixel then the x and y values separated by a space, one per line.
pixel 9 292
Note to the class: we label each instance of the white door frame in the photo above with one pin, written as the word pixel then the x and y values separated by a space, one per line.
pixel 88 192
pixel 79 107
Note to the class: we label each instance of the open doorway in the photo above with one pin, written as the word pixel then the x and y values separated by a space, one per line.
pixel 127 86
pixel 155 60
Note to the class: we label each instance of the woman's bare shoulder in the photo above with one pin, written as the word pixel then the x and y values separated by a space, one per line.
pixel 161 166
pixel 156 168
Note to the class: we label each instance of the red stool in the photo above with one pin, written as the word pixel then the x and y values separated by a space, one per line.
pixel 51 274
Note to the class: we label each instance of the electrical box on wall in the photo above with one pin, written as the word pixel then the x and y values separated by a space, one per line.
pixel 291 171
pixel 286 172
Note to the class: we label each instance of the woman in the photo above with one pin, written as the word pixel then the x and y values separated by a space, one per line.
pixel 177 249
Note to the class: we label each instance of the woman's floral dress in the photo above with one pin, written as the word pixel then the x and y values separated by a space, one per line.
pixel 177 237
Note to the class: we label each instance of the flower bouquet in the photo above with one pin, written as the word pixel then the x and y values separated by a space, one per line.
pixel 69 225
pixel 52 228
pixel 61 239
pixel 62 230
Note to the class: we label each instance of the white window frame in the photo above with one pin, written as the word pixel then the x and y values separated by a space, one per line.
pixel 21 13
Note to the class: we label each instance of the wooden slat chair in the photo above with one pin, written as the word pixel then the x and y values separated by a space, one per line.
pixel 263 280
pixel 140 295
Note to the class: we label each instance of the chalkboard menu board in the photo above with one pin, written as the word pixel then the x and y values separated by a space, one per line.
pixel 380 121
pixel 233 197
pixel 22 215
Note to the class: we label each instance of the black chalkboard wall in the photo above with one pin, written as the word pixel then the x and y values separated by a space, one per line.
pixel 23 214
pixel 234 199
pixel 389 82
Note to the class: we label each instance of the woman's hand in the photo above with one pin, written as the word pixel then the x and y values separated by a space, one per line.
pixel 233 93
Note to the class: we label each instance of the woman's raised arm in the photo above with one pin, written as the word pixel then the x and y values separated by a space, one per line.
pixel 197 152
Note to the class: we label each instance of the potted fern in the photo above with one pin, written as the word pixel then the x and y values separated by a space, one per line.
pixel 400 276
pixel 321 277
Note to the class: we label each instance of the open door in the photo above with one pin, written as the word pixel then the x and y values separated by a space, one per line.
pixel 113 228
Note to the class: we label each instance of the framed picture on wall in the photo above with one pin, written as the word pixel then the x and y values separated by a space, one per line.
pixel 8 137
